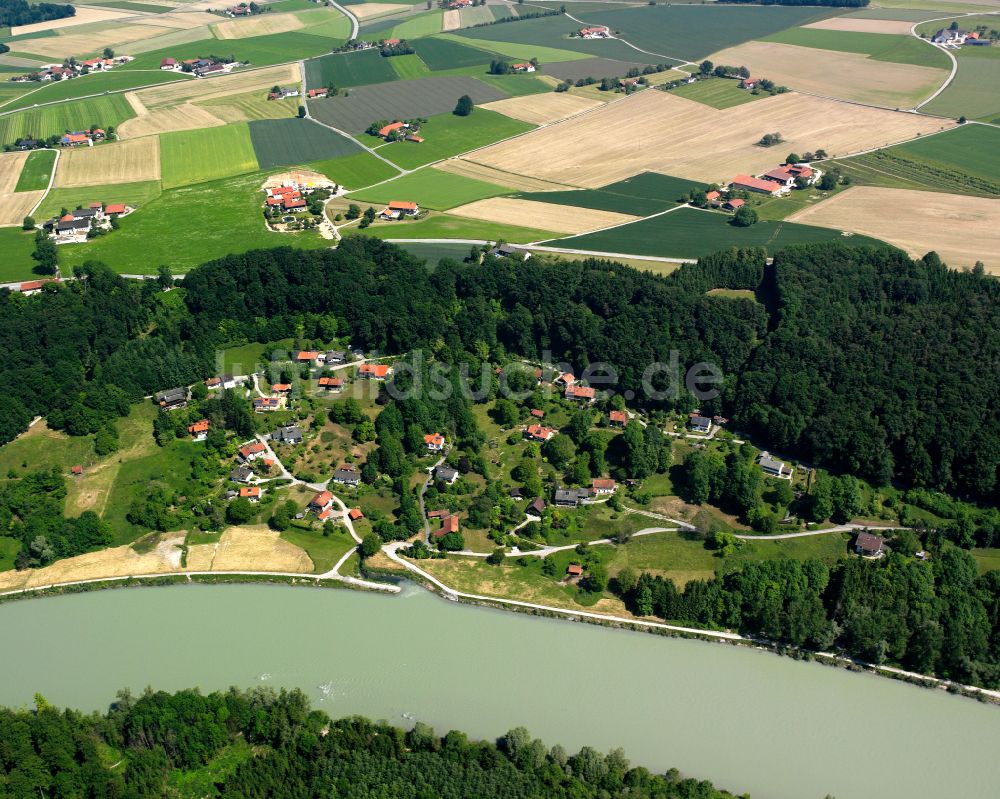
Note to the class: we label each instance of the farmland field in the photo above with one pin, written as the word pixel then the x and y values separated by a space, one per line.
pixel 962 230
pixel 689 233
pixel 249 106
pixel 420 25
pixel 408 67
pixel 900 49
pixel 446 226
pixel 349 69
pixel 399 100
pixel 446 135
pixel 99 83
pixel 431 188
pixel 656 131
pixel 260 51
pixel 441 53
pixel 965 160
pixel 186 116
pixel 524 213
pixel 691 33
pixel 845 75
pixel 109 110
pixel 187 226
pixel 115 162
pixel 134 194
pixel 17 246
pixel 355 171
pixel 281 142
pixel 868 24
pixel 514 181
pixel 716 92
pixel 236 83
pixel 541 109
pixel 516 85
pixel 641 195
pixel 433 253
pixel 36 171
pixel 196 156
pixel 515 50
pixel 973 93
pixel 596 68
pixel 547 32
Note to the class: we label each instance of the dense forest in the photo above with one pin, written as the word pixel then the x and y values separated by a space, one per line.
pixel 20 12
pixel 859 359
pixel 936 617
pixel 272 745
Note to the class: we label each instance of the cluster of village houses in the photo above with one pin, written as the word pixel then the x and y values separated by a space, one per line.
pixel 75 226
pixel 200 67
pixel 72 68
pixel 959 38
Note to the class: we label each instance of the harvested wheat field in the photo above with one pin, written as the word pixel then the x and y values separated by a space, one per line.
pixel 83 15
pixel 117 162
pixel 542 109
pixel 186 19
pixel 498 177
pixel 93 41
pixel 14 207
pixel 962 230
pixel 11 165
pixel 256 548
pixel 263 25
pixel 249 106
pixel 182 117
pixel 659 132
pixel 452 20
pixel 861 25
pixel 849 76
pixel 367 10
pixel 545 216
pixel 168 95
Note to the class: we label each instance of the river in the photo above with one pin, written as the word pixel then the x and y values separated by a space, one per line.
pixel 747 720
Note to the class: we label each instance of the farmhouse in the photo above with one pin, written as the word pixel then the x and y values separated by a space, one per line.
pixel 733 205
pixel 169 64
pixel 712 197
pixel 460 4
pixel 584 394
pixel 527 66
pixel 434 442
pixel 700 424
pixel 30 287
pixel 248 453
pixel 603 486
pixel 289 434
pixel 306 356
pixel 347 475
pixel 171 399
pixel 321 501
pixel 374 371
pixel 789 173
pixel 773 467
pixel 281 388
pixel 333 385
pixel 748 183
pixel 397 209
pixel 75 140
pixel 565 379
pixel 265 404
pixel 445 474
pixel 28 144
pixel 335 357
pixel 749 83
pixel 594 32
pixel 317 94
pixel 507 251
pixel 869 546
pixel 536 432
pixel 199 430
pixel 220 381
pixel 570 497
pixel 574 570
pixel 282 94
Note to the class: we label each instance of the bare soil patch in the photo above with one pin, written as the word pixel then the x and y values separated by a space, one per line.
pixel 14 207
pixel 546 216
pixel 184 20
pixel 118 162
pixel 542 109
pixel 659 132
pixel 962 230
pixel 860 25
pixel 850 76
pixel 451 21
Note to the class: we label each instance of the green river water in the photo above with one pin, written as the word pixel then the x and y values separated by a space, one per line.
pixel 747 720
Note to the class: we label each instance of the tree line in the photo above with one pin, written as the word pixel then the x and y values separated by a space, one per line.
pixel 281 748
pixel 19 12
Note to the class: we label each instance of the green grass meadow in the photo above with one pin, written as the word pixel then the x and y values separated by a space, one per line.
pixel 446 135
pixel 641 195
pixel 98 83
pixel 433 189
pixel 440 53
pixel 717 93
pixel 198 156
pixel 973 93
pixel 896 48
pixel 493 40
pixel 16 246
pixel 409 67
pixel 446 226
pixel 689 233
pixel 136 194
pixel 36 171
pixel 355 171
pixel 420 25
pixel 106 111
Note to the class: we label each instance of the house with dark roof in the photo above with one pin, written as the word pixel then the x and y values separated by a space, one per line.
pixel 290 434
pixel 241 474
pixel 774 467
pixel 869 545
pixel 700 424
pixel 570 497
pixel 347 476
pixel 536 507
pixel 445 474
pixel 171 398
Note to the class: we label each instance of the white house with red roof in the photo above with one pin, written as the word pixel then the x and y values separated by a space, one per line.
pixel 758 185
pixel 537 432
pixel 580 393
pixel 434 442
pixel 248 453
pixel 594 32
pixel 397 209
pixel 374 371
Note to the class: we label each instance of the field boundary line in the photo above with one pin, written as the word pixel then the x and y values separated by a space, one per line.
pixel 52 179
pixel 355 27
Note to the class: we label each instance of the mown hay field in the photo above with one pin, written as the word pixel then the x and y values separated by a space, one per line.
pixel 186 116
pixel 83 16
pixel 88 85
pixel 197 156
pixel 11 165
pixel 355 171
pixel 369 10
pixel 656 131
pixel 857 25
pixel 431 188
pixel 224 86
pixel 528 213
pixel 112 35
pixel 962 230
pixel 116 162
pixel 249 106
pixel 262 25
pixel 973 93
pixel 36 171
pixel 499 177
pixel 282 142
pixel 898 48
pixel 542 109
pixel 106 111
pixel 14 206
pixel 716 92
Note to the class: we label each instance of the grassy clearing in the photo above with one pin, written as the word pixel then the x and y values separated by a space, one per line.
pixel 431 189
pixel 42 448
pixel 988 560
pixel 688 233
pixel 98 83
pixel 964 160
pixel 106 111
pixel 187 226
pixel 433 253
pixel 243 360
pixel 134 194
pixel 204 781
pixel 349 69
pixel 9 547
pixel 445 226
pixel 446 135
pixel 898 49
pixel 355 171
pixel 36 171
pixel 641 195
pixel 16 246
pixel 516 85
pixel 716 92
pixel 280 142
pixel 324 551
pixel 198 156
pixel 973 93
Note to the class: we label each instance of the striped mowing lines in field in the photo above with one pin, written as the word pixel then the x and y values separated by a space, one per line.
pixel 431 188
pixel 196 156
pixel 36 171
pixel 106 111
pixel 283 142
pixel 349 69
pixel 114 162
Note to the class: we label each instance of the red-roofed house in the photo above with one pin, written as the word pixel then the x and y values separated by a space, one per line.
pixel 77 470
pixel 114 208
pixel 734 205
pixel 398 208
pixel 74 139
pixel 320 502
pixel 374 371
pixel 250 492
pixel 315 94
pixel 603 485
pixel 526 66
pixel 581 393
pixel 262 404
pixel 434 442
pixel 391 42
pixel 199 430
pixel 392 127
pixel 574 570
pixel 297 204
pixel 748 183
pixel 30 287
pixel 354 514
pixel 274 202
pixel 332 384
pixel 619 418
pixel 281 388
pixel 250 452
pixel 449 524
pixel 565 379
pixel 305 356
pixel 168 64
pixel 538 433
pixel 749 83
pixel 537 413
pixel 595 32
